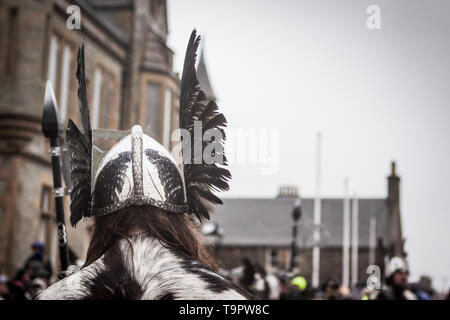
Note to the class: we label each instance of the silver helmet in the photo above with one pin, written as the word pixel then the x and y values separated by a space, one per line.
pixel 138 170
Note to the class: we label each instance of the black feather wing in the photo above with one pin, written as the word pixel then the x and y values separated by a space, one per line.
pixel 80 173
pixel 79 148
pixel 82 96
pixel 201 179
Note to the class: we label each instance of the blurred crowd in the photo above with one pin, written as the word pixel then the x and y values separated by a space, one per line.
pixel 33 277
pixel 284 285
pixel 36 273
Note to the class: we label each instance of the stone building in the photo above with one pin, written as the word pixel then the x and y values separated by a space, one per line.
pixel 261 229
pixel 130 81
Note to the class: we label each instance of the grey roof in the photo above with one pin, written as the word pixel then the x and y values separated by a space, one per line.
pixel 268 222
pixel 107 25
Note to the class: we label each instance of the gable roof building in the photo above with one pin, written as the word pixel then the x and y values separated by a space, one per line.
pixel 261 229
pixel 268 222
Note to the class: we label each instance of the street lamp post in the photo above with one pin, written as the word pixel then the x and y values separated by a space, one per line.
pixel 296 215
pixel 52 129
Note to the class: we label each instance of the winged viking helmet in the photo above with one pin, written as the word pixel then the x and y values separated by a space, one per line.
pixel 138 170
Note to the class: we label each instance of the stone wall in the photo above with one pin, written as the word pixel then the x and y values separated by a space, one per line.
pixel 24 159
pixel 25 162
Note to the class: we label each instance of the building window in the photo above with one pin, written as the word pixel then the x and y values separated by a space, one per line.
pixel 98 78
pixel 65 80
pixel 11 46
pixel 153 109
pixel 274 261
pixel 59 71
pixel 105 107
pixel 167 118
pixel 53 60
pixel 109 106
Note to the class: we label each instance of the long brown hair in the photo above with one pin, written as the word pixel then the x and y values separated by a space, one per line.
pixel 175 231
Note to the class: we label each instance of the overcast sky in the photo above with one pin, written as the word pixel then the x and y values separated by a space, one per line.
pixel 299 67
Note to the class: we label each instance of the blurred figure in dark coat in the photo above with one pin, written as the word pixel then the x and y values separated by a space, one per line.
pixel 397 287
pixel 19 285
pixel 39 266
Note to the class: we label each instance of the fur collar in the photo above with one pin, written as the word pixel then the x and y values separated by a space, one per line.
pixel 142 268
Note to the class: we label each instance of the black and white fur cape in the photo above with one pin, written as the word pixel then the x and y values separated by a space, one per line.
pixel 143 269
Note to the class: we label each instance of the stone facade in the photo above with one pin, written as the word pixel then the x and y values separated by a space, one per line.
pixel 126 53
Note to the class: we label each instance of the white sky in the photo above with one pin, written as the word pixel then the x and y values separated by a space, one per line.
pixel 304 66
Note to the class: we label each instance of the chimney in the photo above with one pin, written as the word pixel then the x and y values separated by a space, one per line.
pixel 287 192
pixel 394 212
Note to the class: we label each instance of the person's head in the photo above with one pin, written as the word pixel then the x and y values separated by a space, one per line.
pixel 23 275
pixel 38 249
pixel 283 277
pixel 397 273
pixel 37 285
pixel 400 279
pixel 331 287
pixel 173 230
pixel 42 274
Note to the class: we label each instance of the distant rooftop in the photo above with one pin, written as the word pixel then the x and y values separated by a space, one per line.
pixel 268 222
pixel 109 26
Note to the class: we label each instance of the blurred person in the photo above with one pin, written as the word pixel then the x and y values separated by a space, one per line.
pixel 396 287
pixel 37 285
pixel 4 291
pixel 359 291
pixel 423 289
pixel 283 278
pixel 146 243
pixel 37 261
pixel 330 289
pixel 246 274
pixel 19 285
pixel 344 292
pixel 274 287
pixel 297 289
pixel 260 288
pixel 369 293
pixel 264 285
pixel 43 275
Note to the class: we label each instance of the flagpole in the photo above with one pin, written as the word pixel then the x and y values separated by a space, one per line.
pixel 346 238
pixel 372 240
pixel 317 217
pixel 355 238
